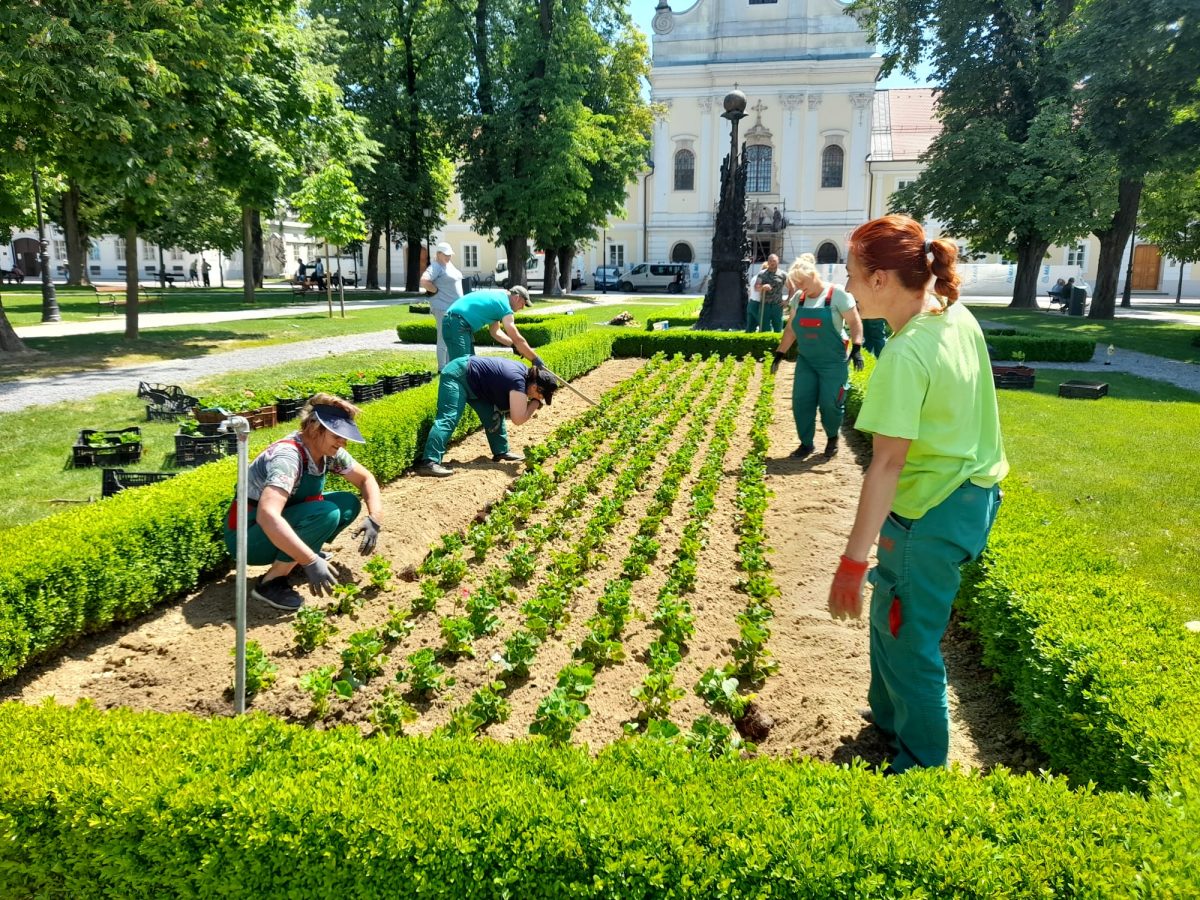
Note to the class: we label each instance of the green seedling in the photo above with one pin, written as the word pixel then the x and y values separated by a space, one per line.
pixel 390 713
pixel 424 675
pixel 719 689
pixel 710 737
pixel 312 628
pixel 398 625
pixel 364 658
pixel 348 598
pixel 319 687
pixel 430 594
pixel 379 570
pixel 522 563
pixel 457 633
pixel 519 652
pixel 260 671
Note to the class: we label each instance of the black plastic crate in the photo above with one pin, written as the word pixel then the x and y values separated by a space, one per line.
pixel 362 393
pixel 287 408
pixel 84 454
pixel 168 399
pixel 113 481
pixel 195 449
pixel 1083 390
pixel 164 413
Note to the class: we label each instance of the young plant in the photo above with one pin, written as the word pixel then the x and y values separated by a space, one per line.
pixel 454 570
pixel 364 658
pixel 479 612
pixel 348 597
pixel 379 569
pixel 312 628
pixel 390 713
pixel 427 599
pixel 398 625
pixel 710 737
pixel 260 671
pixel 424 675
pixel 522 562
pixel 719 689
pixel 563 708
pixel 486 707
pixel 598 646
pixel 656 694
pixel 319 687
pixel 519 652
pixel 457 633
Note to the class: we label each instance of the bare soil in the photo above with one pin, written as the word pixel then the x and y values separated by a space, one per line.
pixel 178 658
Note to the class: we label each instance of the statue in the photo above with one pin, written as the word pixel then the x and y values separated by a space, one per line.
pixel 728 292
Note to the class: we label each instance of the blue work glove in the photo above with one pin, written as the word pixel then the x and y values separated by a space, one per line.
pixel 537 361
pixel 320 576
pixel 369 529
pixel 856 357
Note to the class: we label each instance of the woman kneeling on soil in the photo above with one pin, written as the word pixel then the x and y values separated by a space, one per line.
pixel 931 492
pixel 290 515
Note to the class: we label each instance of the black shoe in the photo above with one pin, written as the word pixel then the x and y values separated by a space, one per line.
pixel 508 457
pixel 802 451
pixel 431 469
pixel 277 593
pixel 831 448
pixel 867 715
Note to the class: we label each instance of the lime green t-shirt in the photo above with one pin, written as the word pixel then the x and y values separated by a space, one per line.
pixel 933 385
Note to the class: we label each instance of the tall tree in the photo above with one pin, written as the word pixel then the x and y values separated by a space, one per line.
pixel 16 211
pixel 1137 64
pixel 1011 171
pixel 332 206
pixel 1170 217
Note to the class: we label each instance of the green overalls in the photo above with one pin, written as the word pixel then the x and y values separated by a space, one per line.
pixel 874 335
pixel 458 336
pixel 915 581
pixel 821 371
pixel 453 397
pixel 752 314
pixel 316 517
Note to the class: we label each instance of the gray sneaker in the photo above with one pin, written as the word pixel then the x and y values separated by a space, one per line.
pixel 429 468
pixel 277 593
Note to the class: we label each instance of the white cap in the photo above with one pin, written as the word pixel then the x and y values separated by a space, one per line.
pixel 445 248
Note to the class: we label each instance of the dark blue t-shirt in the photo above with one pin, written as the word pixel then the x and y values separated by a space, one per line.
pixel 491 378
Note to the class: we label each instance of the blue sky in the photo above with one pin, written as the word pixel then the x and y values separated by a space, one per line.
pixel 643 13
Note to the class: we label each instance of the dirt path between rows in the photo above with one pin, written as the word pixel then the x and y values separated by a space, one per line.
pixel 178 658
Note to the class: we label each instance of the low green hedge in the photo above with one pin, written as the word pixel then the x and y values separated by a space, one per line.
pixel 144 805
pixel 539 330
pixel 333 383
pixel 1040 348
pixel 725 343
pixel 83 569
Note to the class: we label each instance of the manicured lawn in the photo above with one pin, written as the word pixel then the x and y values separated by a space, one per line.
pixel 1170 339
pixel 1122 467
pixel 36 453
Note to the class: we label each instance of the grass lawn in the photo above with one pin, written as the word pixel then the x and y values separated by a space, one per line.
pixel 1123 467
pixel 1170 339
pixel 36 453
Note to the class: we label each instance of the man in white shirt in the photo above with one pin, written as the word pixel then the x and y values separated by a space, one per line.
pixel 443 282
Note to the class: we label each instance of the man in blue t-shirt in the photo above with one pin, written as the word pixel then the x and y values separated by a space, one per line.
pixel 493 308
pixel 492 386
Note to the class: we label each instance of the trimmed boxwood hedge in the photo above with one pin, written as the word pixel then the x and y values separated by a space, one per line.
pixel 539 330
pixel 1040 348
pixel 725 343
pixel 145 805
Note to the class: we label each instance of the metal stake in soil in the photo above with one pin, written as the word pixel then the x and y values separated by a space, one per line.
pixel 241 427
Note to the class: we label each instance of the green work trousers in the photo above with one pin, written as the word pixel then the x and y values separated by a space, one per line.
pixel 458 337
pixel 316 522
pixel 772 317
pixel 915 583
pixel 453 397
pixel 752 311
pixel 819 386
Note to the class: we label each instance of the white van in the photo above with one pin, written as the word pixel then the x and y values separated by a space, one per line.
pixel 670 277
pixel 535 269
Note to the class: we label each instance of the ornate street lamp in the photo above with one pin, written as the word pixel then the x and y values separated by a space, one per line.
pixel 725 301
pixel 50 311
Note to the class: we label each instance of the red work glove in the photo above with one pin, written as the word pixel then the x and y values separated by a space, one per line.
pixel 845 595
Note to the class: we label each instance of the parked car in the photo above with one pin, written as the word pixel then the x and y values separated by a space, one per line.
pixel 606 278
pixel 534 270
pixel 671 277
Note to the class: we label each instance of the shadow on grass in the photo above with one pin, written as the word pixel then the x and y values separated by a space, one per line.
pixel 100 351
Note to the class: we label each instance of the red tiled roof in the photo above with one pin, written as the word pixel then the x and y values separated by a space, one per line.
pixel 904 123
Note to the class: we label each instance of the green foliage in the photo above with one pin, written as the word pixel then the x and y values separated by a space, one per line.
pixel 1169 214
pixel 719 689
pixel 424 675
pixel 319 685
pixel 537 333
pixel 721 343
pixel 260 671
pixel 390 713
pixel 397 626
pixel 458 634
pixel 519 651
pixel 716 740
pixel 312 629
pixel 1041 348
pixel 379 570
pixel 364 658
pixel 331 205
pixel 347 598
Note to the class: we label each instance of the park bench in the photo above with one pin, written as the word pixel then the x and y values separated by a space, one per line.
pixel 111 297
pixel 305 288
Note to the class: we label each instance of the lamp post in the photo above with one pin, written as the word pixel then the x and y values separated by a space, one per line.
pixel 725 302
pixel 428 214
pixel 50 311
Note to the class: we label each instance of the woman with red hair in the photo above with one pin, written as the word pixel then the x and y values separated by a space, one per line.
pixel 931 492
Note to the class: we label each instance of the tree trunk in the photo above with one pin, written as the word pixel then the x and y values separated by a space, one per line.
pixel 131 281
pixel 373 260
pixel 566 268
pixel 387 256
pixel 1112 247
pixel 517 250
pixel 247 254
pixel 341 281
pixel 1179 288
pixel 412 263
pixel 1030 254
pixel 76 236
pixel 328 281
pixel 256 233
pixel 9 341
pixel 550 286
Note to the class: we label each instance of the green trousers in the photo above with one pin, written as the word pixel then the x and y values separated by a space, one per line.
pixel 773 317
pixel 316 522
pixel 752 315
pixel 915 584
pixel 458 337
pixel 819 387
pixel 453 397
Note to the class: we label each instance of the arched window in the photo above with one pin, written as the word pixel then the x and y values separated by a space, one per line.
pixel 685 170
pixel 831 166
pixel 827 253
pixel 682 252
pixel 758 169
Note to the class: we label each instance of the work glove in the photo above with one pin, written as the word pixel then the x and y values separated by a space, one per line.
pixel 369 529
pixel 845 594
pixel 537 362
pixel 856 357
pixel 779 357
pixel 320 576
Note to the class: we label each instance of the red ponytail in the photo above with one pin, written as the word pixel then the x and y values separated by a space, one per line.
pixel 897 244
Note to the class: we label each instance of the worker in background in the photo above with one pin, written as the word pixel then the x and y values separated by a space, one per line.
pixel 494 309
pixel 770 287
pixel 442 281
pixel 875 335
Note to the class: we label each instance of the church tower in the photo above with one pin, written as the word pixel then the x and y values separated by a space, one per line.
pixel 808 73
